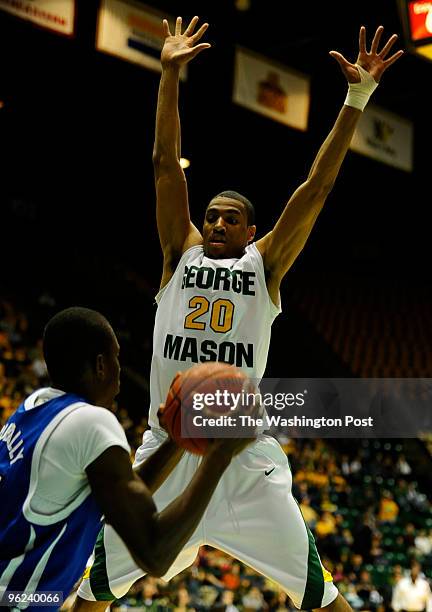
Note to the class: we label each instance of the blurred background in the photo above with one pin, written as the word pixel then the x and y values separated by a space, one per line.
pixel 77 219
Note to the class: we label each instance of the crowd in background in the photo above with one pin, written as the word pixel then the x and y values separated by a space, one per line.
pixel 370 516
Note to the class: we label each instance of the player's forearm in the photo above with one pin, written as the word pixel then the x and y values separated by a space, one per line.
pixel 156 469
pixel 177 522
pixel 328 161
pixel 167 133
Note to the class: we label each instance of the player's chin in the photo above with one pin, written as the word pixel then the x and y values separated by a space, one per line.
pixel 216 250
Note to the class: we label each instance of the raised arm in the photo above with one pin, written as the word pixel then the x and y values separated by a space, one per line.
pixel 176 232
pixel 281 246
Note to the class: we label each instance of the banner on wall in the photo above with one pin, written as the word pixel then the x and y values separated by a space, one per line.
pixel 385 137
pixel 271 89
pixel 132 32
pixel 56 15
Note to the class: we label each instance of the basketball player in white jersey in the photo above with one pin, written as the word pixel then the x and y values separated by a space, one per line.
pixel 218 298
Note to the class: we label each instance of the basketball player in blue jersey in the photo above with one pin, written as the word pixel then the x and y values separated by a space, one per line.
pixel 64 461
pixel 218 298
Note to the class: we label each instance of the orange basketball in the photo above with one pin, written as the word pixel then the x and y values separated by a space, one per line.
pixel 205 378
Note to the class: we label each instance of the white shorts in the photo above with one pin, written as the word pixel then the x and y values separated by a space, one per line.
pixel 251 516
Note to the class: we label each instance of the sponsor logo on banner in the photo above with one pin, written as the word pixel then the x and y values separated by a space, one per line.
pixel 57 15
pixel 385 137
pixel 271 89
pixel 132 32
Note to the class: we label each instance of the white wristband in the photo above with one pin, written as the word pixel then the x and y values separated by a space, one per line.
pixel 359 93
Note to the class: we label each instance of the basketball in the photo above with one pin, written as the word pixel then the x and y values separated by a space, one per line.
pixel 205 378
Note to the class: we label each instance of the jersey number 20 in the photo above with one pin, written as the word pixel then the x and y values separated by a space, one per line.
pixel 221 317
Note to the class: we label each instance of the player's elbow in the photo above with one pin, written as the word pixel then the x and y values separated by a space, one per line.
pixel 164 550
pixel 156 568
pixel 164 160
pixel 160 562
pixel 150 555
pixel 157 157
pixel 149 562
pixel 160 570
pixel 320 185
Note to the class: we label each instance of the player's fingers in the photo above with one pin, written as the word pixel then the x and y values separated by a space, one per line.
pixel 389 44
pixel 166 28
pixel 391 60
pixel 193 52
pixel 178 26
pixel 376 39
pixel 362 40
pixel 191 27
pixel 196 37
pixel 343 63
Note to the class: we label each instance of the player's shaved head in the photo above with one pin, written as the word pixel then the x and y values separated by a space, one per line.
pixel 249 207
pixel 72 340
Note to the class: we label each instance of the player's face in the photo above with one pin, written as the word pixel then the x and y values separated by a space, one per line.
pixel 226 232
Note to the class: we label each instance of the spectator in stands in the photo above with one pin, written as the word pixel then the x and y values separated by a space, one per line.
pixel 367 592
pixel 345 465
pixel 182 601
pixel 388 508
pixel 402 466
pixel 338 573
pixel 226 603
pixel 325 525
pixel 355 566
pixel 362 532
pixel 400 493
pixel 376 553
pixel 356 465
pixel 253 601
pixel 280 603
pixel 353 599
pixel 231 578
pixel 417 500
pixel 399 545
pixel 423 543
pixel 409 535
pixel 309 514
pixel 412 593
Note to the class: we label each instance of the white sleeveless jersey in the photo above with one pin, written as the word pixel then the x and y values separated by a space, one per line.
pixel 211 310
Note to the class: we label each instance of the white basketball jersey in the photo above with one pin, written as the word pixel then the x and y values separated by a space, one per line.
pixel 211 310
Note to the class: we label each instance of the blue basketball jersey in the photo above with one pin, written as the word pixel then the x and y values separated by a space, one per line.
pixel 40 552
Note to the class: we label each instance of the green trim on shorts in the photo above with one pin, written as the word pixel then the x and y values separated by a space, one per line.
pixel 314 590
pixel 99 582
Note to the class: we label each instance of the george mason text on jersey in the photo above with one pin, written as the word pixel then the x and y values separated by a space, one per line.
pixel 221 279
pixel 186 348
pixel 216 313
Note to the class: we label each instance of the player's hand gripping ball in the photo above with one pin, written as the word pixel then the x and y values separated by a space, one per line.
pixel 187 391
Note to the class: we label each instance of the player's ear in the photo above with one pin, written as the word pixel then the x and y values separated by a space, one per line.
pixel 251 233
pixel 100 366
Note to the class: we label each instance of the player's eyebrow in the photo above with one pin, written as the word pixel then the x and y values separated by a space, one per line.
pixel 231 211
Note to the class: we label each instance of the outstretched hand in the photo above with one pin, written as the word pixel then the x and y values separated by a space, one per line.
pixel 180 48
pixel 373 62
